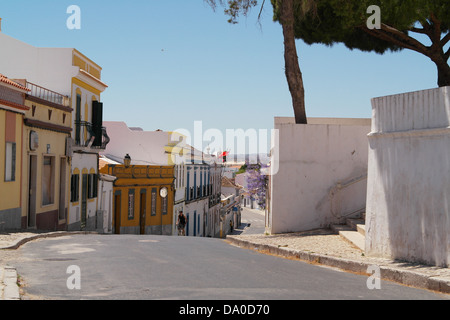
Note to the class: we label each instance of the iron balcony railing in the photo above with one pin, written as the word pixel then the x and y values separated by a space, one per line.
pixel 85 136
pixel 47 95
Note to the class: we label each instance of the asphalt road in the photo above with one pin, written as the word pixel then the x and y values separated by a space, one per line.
pixel 130 267
pixel 254 220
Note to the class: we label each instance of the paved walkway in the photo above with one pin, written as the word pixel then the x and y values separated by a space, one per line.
pixel 320 247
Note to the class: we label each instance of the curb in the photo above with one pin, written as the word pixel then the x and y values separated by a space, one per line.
pixel 20 242
pixel 436 283
pixel 9 290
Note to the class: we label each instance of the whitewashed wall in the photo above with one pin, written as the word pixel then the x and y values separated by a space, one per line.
pixel 86 162
pixel 47 67
pixel 408 197
pixel 312 160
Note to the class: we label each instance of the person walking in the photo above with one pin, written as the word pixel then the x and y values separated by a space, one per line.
pixel 181 224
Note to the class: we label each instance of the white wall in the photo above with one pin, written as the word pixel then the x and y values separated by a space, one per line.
pixel 196 209
pixel 144 147
pixel 105 201
pixel 408 197
pixel 85 162
pixel 312 160
pixel 47 67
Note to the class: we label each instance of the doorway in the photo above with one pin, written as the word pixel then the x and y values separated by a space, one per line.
pixel 143 204
pixel 117 206
pixel 84 196
pixel 62 189
pixel 32 191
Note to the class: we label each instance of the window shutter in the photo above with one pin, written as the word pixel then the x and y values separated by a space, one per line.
pixel 97 122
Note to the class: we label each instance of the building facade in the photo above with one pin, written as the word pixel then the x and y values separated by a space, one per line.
pixel 215 178
pixel 70 73
pixel 87 140
pixel 46 168
pixel 197 199
pixel 12 111
pixel 143 198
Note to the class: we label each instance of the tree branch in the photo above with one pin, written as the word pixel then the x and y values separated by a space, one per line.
pixel 445 39
pixel 260 11
pixel 418 30
pixel 407 41
pixel 397 38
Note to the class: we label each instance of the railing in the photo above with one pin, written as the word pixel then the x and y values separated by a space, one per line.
pixel 46 94
pixel 194 193
pixel 84 135
pixel 338 188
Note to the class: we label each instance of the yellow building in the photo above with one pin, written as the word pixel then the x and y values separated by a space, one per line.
pixel 72 74
pixel 46 167
pixel 12 110
pixel 143 198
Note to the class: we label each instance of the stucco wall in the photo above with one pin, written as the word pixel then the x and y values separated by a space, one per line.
pixel 196 210
pixel 312 160
pixel 48 67
pixel 408 199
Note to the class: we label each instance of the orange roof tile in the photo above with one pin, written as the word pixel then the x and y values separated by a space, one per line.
pixel 12 83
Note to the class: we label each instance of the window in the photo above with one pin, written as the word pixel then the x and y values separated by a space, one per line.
pixel 78 119
pixel 48 181
pixel 153 213
pixel 131 204
pixel 92 186
pixel 10 162
pixel 75 188
pixel 164 205
pixel 195 184
pixel 188 197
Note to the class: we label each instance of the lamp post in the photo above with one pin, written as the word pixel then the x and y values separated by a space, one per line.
pixel 127 160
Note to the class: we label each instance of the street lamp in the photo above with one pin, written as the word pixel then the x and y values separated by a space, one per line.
pixel 127 160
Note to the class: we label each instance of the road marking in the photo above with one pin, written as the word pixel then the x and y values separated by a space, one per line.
pixel 74 248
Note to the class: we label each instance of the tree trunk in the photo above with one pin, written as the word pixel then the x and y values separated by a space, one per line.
pixel 443 74
pixel 293 73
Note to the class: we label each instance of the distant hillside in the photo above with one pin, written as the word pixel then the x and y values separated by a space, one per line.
pixel 251 158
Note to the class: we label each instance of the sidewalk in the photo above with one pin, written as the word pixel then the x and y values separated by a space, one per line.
pixel 9 241
pixel 323 247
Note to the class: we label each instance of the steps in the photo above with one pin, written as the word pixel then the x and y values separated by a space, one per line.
pixel 353 231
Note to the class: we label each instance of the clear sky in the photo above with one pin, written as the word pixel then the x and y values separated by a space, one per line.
pixel 170 63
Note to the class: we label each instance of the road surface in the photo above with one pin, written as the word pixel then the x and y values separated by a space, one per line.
pixel 181 268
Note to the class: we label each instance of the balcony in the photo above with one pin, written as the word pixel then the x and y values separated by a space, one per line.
pixel 88 135
pixel 47 95
pixel 200 192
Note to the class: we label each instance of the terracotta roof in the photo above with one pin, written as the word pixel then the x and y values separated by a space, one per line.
pixel 227 182
pixel 12 83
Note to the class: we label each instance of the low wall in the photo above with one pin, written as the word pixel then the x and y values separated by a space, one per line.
pixel 408 196
pixel 321 171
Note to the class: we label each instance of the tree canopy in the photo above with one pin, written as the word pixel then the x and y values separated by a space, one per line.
pixel 345 21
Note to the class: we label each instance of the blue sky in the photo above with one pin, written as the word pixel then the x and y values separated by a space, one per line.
pixel 170 63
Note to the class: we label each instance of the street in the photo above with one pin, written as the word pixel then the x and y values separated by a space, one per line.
pixel 129 267
pixel 253 219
